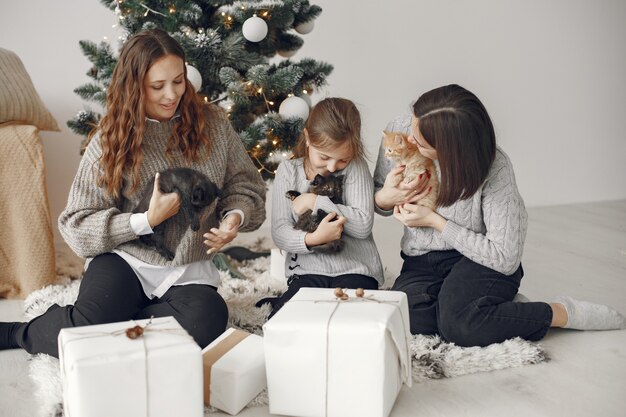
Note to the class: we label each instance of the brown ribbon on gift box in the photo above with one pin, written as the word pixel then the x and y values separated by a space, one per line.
pixel 215 354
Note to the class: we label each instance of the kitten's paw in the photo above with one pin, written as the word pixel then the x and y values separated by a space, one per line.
pixel 292 194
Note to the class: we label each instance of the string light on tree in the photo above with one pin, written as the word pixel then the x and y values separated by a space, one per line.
pixel 294 107
pixel 194 77
pixel 306 97
pixel 254 29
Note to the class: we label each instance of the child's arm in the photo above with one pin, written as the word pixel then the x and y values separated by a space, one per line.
pixel 284 235
pixel 358 198
pixel 329 229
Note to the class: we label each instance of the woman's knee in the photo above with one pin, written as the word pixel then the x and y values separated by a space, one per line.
pixel 463 326
pixel 205 317
pixel 109 292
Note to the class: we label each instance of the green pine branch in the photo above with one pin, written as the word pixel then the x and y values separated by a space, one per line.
pixel 236 73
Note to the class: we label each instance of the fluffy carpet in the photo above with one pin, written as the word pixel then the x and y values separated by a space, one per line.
pixel 432 358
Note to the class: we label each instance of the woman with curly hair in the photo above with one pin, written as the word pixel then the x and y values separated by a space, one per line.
pixel 154 121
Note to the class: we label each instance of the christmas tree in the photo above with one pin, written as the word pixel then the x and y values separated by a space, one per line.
pixel 228 45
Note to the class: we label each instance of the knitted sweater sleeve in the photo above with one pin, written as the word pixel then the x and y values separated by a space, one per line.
pixel 358 198
pixel 243 187
pixel 283 234
pixel 505 220
pixel 384 165
pixel 91 222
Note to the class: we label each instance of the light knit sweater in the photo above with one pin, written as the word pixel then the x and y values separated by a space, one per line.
pixel 94 223
pixel 359 255
pixel 489 228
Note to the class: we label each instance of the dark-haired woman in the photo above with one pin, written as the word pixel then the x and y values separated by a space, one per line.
pixel 462 262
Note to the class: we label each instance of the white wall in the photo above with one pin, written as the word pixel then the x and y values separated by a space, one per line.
pixel 550 72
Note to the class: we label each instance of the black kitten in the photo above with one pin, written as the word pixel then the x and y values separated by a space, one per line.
pixel 196 191
pixel 332 187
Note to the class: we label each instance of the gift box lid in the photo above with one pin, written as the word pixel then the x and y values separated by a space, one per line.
pixel 305 310
pixel 159 335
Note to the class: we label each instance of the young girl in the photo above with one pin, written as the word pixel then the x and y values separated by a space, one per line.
pixel 154 121
pixel 462 267
pixel 330 144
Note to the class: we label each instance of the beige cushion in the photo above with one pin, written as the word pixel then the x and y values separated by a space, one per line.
pixel 27 261
pixel 18 99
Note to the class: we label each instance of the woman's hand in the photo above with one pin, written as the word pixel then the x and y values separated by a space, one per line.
pixel 303 202
pixel 162 206
pixel 217 238
pixel 414 215
pixel 395 191
pixel 329 229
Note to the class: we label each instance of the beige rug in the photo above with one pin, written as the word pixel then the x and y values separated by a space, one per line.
pixel 432 358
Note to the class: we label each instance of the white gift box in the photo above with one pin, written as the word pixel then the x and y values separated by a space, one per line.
pixel 106 373
pixel 331 358
pixel 234 370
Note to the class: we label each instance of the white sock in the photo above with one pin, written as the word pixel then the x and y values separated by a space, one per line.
pixel 583 315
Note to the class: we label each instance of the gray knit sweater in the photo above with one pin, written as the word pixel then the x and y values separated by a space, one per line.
pixel 489 228
pixel 359 255
pixel 94 223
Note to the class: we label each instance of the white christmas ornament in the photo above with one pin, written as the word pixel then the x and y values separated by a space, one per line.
pixel 307 98
pixel 306 27
pixel 194 77
pixel 294 107
pixel 254 29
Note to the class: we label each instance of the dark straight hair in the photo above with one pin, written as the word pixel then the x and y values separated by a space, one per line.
pixel 454 122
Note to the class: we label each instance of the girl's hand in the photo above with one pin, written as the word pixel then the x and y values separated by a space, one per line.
pixel 413 215
pixel 395 191
pixel 328 230
pixel 217 238
pixel 162 206
pixel 303 202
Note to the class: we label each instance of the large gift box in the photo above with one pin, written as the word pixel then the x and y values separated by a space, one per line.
pixel 328 356
pixel 139 368
pixel 234 370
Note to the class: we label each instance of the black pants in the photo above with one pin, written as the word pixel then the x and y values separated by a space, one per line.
pixel 467 303
pixel 295 282
pixel 111 292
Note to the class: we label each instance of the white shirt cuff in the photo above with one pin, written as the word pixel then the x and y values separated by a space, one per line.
pixel 243 217
pixel 139 224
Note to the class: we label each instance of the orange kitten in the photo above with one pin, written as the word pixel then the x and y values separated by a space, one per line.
pixel 399 150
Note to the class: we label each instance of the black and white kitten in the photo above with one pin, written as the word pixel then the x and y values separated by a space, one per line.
pixel 330 186
pixel 196 191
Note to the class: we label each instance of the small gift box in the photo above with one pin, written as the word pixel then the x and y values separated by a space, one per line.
pixel 234 370
pixel 131 369
pixel 335 356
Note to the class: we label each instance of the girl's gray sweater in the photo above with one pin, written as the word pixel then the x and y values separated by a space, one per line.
pixel 359 255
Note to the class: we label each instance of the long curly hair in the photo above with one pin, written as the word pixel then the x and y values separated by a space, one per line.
pixel 122 128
